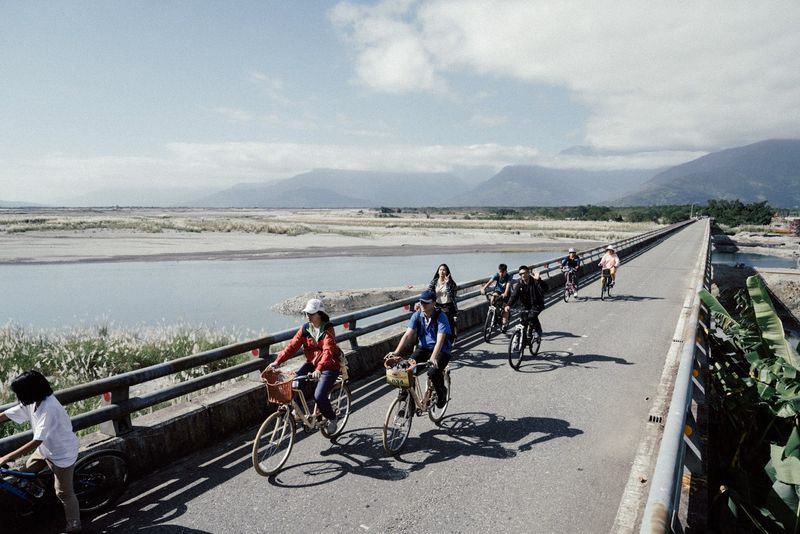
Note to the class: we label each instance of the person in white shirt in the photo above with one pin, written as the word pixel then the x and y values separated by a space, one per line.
pixel 54 443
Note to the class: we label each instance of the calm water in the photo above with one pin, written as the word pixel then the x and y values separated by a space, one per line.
pixel 231 294
pixel 754 260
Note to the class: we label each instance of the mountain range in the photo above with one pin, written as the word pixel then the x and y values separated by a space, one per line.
pixel 764 171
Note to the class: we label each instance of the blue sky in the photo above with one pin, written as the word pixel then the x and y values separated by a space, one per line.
pixel 181 95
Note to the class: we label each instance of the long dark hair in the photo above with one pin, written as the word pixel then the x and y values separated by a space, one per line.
pixel 324 317
pixel 436 274
pixel 31 386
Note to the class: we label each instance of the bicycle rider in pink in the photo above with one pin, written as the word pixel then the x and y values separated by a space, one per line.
pixel 610 261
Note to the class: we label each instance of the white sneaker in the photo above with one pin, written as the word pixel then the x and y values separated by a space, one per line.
pixel 330 426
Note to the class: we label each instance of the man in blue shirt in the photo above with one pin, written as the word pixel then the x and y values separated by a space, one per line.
pixel 501 290
pixel 434 342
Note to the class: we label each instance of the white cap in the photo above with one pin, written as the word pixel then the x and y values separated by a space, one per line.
pixel 314 306
pixel 572 249
pixel 610 247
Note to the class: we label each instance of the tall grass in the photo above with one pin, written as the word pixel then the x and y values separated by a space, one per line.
pixel 80 355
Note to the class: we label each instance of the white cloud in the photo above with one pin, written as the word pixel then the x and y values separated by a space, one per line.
pixel 234 115
pixel 479 119
pixel 273 87
pixel 675 75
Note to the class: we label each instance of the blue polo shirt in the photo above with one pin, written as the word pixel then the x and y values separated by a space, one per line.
pixel 427 333
pixel 500 283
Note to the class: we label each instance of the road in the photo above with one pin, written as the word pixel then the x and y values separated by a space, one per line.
pixel 545 449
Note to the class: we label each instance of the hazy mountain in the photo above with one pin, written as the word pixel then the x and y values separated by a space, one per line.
pixel 331 188
pixel 524 185
pixel 141 197
pixel 18 204
pixel 768 170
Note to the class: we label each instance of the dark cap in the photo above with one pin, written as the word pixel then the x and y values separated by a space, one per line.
pixel 427 296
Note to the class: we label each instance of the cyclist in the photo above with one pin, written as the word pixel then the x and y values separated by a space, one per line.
pixel 435 343
pixel 54 443
pixel 529 292
pixel 573 263
pixel 502 289
pixel 323 363
pixel 445 288
pixel 610 261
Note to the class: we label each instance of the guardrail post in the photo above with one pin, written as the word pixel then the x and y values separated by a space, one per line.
pixel 351 325
pixel 122 425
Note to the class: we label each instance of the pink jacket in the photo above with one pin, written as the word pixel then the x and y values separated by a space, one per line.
pixel 609 260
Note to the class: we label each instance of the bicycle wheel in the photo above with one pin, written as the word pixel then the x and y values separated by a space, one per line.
pixel 603 287
pixel 489 324
pixel 340 398
pixel 435 413
pixel 567 294
pixel 515 350
pixel 397 425
pixel 534 344
pixel 273 443
pixel 99 479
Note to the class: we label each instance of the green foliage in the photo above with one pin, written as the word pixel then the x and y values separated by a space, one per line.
pixel 736 213
pixel 754 398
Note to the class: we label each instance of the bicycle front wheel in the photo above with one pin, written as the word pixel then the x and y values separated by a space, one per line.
pixel 515 350
pixel 435 413
pixel 535 343
pixel 397 425
pixel 99 479
pixel 273 443
pixel 489 324
pixel 340 398
pixel 567 294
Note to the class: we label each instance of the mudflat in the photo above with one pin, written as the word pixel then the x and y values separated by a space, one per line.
pixel 47 235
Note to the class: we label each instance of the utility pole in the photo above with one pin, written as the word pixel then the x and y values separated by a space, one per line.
pixel 691 211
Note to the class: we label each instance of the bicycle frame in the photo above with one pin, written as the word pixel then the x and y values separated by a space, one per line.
pixel 421 400
pixel 11 488
pixel 309 420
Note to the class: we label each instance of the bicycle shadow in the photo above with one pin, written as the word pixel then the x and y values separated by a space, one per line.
pixel 552 336
pixel 481 434
pixel 547 361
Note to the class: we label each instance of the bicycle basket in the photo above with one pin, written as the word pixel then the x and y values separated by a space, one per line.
pixel 279 385
pixel 400 378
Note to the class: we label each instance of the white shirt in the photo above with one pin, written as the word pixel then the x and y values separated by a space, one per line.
pixel 51 425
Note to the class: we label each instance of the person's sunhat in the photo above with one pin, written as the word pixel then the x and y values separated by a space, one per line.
pixel 610 247
pixel 313 306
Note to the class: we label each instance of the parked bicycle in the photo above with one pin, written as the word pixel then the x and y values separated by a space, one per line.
pixel 275 438
pixel 410 400
pixel 570 288
pixel 99 480
pixel 523 336
pixel 494 316
pixel 606 284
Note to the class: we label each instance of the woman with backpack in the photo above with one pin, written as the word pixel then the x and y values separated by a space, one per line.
pixel 318 341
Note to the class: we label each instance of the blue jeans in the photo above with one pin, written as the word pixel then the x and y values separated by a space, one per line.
pixel 326 381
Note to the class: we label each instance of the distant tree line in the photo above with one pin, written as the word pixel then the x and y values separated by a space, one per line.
pixel 737 213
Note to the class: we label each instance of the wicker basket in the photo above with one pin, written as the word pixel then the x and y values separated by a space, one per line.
pixel 279 385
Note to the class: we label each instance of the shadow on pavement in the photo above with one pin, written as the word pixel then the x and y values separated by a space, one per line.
pixel 551 360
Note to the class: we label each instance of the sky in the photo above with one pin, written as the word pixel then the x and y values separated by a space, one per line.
pixel 187 95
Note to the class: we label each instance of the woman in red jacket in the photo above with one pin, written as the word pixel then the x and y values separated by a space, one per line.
pixel 318 341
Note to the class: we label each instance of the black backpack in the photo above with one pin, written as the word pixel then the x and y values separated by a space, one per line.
pixel 420 327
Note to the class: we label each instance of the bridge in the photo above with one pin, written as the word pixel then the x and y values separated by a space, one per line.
pixel 565 444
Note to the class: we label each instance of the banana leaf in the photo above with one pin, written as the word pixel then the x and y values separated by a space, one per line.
pixel 769 323
pixel 724 319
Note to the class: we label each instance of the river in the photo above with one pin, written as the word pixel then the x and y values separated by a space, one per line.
pixel 235 295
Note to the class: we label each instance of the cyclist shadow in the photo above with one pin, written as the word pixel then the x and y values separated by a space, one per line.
pixel 552 336
pixel 357 452
pixel 547 361
pixel 478 359
pixel 482 434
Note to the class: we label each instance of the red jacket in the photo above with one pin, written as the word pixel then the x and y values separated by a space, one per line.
pixel 324 354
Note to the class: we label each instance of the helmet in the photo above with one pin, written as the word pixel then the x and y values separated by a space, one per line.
pixel 571 250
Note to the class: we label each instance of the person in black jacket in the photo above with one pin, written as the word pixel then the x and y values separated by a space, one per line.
pixel 529 292
pixel 445 288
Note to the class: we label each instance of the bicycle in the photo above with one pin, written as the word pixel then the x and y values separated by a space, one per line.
pixel 276 435
pixel 494 316
pixel 99 480
pixel 410 400
pixel 523 337
pixel 606 284
pixel 570 287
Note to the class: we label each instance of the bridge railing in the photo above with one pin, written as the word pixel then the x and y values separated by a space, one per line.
pixel 680 454
pixel 114 415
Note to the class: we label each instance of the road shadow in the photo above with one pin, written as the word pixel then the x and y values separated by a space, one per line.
pixel 481 434
pixel 550 360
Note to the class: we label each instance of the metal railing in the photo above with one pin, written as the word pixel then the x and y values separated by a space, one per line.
pixel 119 404
pixel 680 448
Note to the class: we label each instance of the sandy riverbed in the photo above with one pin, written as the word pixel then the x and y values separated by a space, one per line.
pixel 53 236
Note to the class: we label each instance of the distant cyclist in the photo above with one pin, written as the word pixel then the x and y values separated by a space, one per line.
pixel 610 261
pixel 573 263
pixel 432 330
pixel 502 289
pixel 529 292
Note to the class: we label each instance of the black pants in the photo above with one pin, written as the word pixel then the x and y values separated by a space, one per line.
pixel 451 312
pixel 532 316
pixel 435 375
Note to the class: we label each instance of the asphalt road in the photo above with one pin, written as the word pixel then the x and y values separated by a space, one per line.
pixel 545 449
